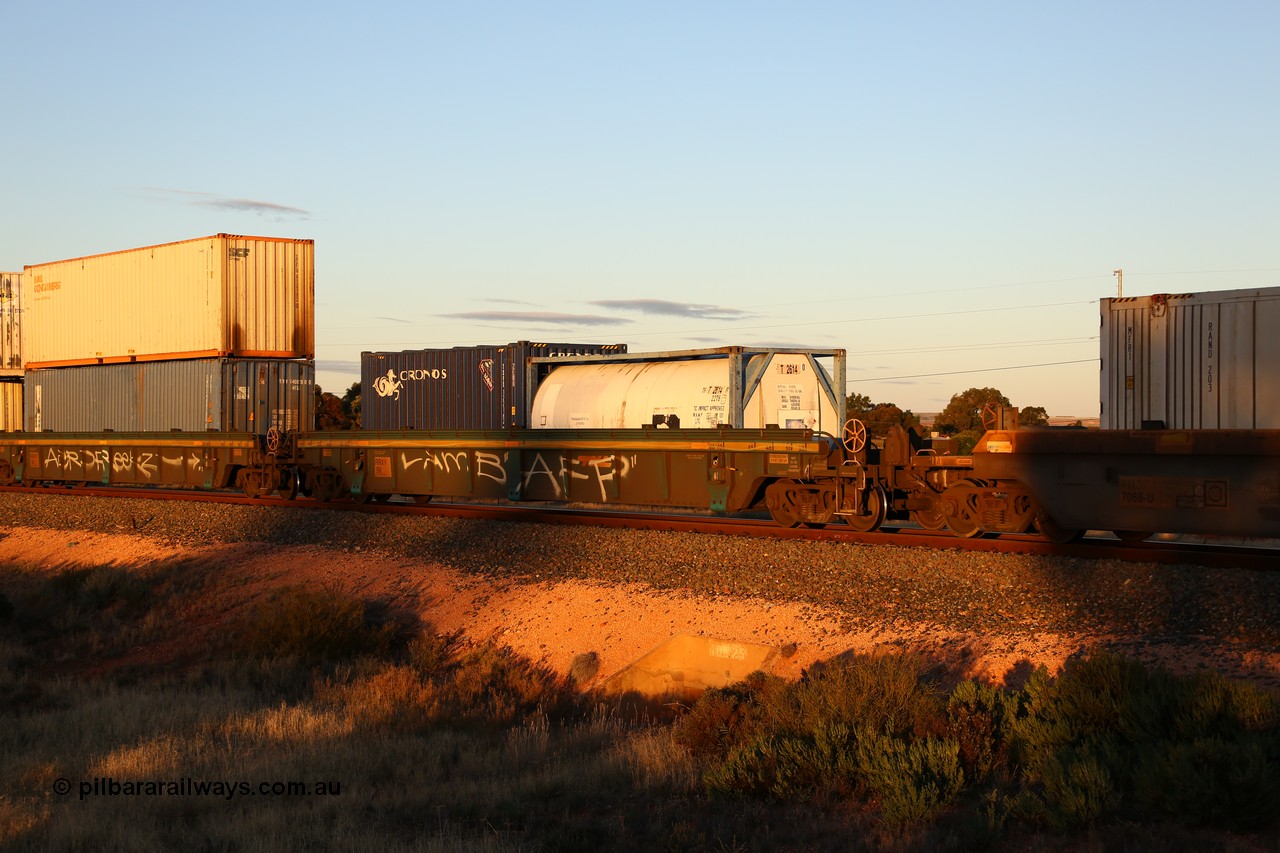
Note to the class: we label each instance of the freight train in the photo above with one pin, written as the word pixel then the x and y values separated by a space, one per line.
pixel 729 430
pixel 1058 482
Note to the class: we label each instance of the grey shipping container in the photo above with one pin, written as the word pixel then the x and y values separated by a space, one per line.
pixel 1192 360
pixel 193 395
pixel 480 387
pixel 10 324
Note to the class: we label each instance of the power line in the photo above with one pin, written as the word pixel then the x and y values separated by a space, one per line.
pixel 975 346
pixel 959 372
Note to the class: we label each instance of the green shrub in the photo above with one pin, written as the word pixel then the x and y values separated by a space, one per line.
pixel 887 693
pixel 314 625
pixel 106 585
pixel 914 779
pixel 1211 705
pixel 1075 790
pixel 978 719
pixel 726 717
pixel 788 765
pixel 493 684
pixel 1211 782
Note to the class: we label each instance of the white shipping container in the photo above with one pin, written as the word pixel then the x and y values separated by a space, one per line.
pixel 224 295
pixel 738 388
pixel 1192 360
pixel 10 405
pixel 10 324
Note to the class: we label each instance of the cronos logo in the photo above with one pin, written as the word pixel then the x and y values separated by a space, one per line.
pixel 486 372
pixel 388 385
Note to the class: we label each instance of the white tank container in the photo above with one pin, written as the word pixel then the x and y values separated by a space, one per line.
pixel 1192 360
pixel 225 295
pixel 737 388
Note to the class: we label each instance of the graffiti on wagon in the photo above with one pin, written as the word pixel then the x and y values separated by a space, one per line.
pixel 551 468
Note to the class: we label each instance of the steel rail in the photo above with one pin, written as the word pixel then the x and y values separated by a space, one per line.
pixel 1262 557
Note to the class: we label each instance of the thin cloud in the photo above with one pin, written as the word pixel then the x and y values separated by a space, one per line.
pixel 546 317
pixel 244 205
pixel 392 319
pixel 664 308
pixel 339 366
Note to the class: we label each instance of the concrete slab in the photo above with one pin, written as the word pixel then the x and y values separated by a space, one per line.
pixel 686 665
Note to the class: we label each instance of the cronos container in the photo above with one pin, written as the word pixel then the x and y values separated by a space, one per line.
pixel 10 405
pixel 10 324
pixel 1192 360
pixel 481 387
pixel 196 395
pixel 224 295
pixel 730 386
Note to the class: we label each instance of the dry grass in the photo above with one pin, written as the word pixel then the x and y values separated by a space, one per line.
pixel 422 742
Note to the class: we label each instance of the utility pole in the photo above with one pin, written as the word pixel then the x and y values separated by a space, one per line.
pixel 1119 274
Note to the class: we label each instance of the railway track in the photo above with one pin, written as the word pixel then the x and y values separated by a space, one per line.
pixel 1098 545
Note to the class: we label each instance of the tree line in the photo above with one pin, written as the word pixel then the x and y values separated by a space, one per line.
pixel 962 417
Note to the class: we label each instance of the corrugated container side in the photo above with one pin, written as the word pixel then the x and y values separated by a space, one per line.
pixel 224 295
pixel 11 323
pixel 192 395
pixel 1192 361
pixel 10 405
pixel 480 387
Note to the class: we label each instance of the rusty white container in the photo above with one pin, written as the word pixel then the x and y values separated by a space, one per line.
pixel 224 295
pixel 10 405
pixel 10 324
pixel 1192 360
pixel 696 389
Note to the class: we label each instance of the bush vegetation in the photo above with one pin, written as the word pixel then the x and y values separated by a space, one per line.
pixel 434 743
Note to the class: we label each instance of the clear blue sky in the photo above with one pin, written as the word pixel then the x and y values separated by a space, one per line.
pixel 939 188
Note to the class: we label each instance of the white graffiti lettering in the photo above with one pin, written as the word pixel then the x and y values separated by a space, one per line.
pixel 540 468
pixel 489 466
pixel 145 466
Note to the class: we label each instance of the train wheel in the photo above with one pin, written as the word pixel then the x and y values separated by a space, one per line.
pixel 960 509
pixel 291 484
pixel 323 485
pixel 1133 535
pixel 876 508
pixel 252 483
pixel 933 518
pixel 1054 532
pixel 780 498
pixel 422 499
pixel 6 474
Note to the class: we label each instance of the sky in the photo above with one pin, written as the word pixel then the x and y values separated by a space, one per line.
pixel 943 190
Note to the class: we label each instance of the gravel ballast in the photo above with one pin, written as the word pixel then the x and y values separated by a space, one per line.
pixel 1232 613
